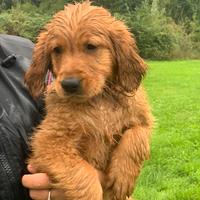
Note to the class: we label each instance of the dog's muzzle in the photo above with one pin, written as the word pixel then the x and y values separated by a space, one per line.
pixel 71 85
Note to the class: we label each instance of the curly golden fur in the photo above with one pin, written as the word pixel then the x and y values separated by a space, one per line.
pixel 92 142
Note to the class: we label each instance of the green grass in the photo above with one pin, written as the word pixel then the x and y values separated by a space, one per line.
pixel 173 172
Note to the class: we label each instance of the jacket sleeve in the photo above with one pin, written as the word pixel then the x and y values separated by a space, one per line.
pixel 18 115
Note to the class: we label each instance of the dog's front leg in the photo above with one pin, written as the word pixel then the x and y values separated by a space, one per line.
pixel 67 170
pixel 126 162
pixel 80 181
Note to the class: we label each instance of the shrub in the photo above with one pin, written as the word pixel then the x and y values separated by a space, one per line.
pixel 157 36
pixel 194 36
pixel 153 38
pixel 22 20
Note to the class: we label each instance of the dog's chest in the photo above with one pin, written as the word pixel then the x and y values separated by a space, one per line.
pixel 101 131
pixel 94 130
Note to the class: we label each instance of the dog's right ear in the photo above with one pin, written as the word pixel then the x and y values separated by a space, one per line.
pixel 35 76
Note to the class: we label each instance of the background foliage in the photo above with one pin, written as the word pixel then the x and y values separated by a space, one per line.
pixel 164 29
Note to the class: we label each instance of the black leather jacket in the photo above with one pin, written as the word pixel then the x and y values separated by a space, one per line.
pixel 18 114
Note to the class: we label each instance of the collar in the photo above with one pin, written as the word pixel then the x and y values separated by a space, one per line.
pixel 49 78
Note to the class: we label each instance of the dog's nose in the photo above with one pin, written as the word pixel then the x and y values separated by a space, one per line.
pixel 71 85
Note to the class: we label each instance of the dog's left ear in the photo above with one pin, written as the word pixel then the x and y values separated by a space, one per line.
pixel 35 76
pixel 129 66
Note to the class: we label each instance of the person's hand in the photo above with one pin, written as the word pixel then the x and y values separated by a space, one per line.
pixel 39 186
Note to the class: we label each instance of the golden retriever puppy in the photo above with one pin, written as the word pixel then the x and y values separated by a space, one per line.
pixel 95 135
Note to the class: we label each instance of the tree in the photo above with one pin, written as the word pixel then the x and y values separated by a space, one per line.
pixel 181 10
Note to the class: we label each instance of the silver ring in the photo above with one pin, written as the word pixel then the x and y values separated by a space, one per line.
pixel 49 195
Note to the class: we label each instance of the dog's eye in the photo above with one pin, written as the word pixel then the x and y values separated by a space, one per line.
pixel 91 47
pixel 57 50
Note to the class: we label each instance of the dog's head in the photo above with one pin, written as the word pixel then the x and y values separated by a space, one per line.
pixel 85 48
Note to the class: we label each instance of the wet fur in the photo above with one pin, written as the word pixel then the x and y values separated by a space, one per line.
pixel 107 128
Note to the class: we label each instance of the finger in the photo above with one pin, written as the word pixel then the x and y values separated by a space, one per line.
pixel 39 194
pixel 36 181
pixel 31 169
pixel 43 194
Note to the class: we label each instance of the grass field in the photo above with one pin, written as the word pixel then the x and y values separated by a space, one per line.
pixel 173 172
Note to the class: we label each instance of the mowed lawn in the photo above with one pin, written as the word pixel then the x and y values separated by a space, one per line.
pixel 173 172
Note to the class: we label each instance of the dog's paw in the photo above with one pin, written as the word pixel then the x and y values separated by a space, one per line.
pixel 121 179
pixel 119 189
